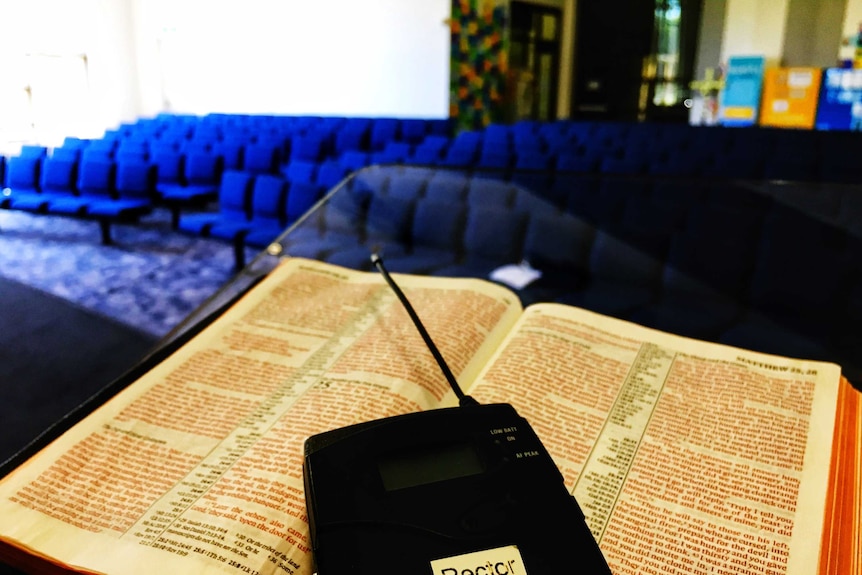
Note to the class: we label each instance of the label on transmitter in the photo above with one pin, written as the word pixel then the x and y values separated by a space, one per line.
pixel 499 561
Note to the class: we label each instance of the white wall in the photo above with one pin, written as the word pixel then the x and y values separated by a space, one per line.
pixel 76 57
pixel 326 57
pixel 754 27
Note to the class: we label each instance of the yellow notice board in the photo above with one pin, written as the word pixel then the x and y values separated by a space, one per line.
pixel 790 97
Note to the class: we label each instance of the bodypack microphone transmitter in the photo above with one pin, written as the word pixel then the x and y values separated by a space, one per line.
pixel 466 490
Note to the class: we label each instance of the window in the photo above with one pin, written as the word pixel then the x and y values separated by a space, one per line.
pixel 668 16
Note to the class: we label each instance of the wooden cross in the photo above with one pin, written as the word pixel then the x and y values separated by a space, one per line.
pixel 709 84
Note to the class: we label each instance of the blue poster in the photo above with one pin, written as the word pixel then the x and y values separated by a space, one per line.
pixel 743 84
pixel 840 106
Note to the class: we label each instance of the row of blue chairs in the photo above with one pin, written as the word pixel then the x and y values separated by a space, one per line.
pixel 338 133
pixel 95 189
pixel 567 146
pixel 723 262
pixel 253 210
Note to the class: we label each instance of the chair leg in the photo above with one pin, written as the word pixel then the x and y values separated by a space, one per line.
pixel 238 254
pixel 105 227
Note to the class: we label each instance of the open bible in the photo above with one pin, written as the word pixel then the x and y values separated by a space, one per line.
pixel 685 456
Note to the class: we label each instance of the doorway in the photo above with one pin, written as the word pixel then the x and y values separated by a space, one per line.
pixel 534 61
pixel 669 68
pixel 636 67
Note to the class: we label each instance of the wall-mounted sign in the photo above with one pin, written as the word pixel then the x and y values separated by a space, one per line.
pixel 740 99
pixel 840 106
pixel 790 97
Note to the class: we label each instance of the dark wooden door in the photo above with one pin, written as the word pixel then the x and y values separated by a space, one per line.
pixel 534 61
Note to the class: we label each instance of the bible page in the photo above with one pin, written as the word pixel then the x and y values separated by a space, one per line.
pixel 197 466
pixel 685 456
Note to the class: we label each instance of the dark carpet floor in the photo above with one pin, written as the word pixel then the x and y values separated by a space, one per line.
pixel 53 355
pixel 76 314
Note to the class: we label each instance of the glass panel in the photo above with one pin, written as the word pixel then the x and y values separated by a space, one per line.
pixel 549 27
pixel 546 71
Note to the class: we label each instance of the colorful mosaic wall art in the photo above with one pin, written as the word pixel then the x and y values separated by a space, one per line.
pixel 479 62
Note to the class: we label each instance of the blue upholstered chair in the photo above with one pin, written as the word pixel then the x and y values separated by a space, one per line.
pixel 409 186
pixel 168 164
pixel 133 192
pixel 330 173
pixel 355 160
pixel 300 172
pixel 436 238
pixel 489 192
pixel 307 148
pixel 200 180
pixel 493 237
pixel 95 183
pixel 301 198
pixel 383 131
pixel 413 131
pixel 351 139
pixel 268 196
pixel 233 201
pixel 386 229
pixel 230 152
pixel 22 178
pixel 624 273
pixel 58 176
pixel 447 187
pixel 699 296
pixel 261 159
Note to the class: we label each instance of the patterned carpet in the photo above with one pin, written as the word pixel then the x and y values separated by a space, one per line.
pixel 151 278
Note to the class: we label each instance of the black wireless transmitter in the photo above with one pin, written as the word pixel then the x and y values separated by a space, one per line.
pixel 468 490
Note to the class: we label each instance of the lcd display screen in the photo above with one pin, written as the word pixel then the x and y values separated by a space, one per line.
pixel 429 465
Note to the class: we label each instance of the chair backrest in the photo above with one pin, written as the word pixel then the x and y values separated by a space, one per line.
pixel 413 130
pixel 699 264
pixel 439 225
pixel 261 158
pixel 96 178
pixel 233 194
pixel 560 240
pixel 230 152
pixel 489 192
pixel 267 200
pixel 354 159
pixel 383 131
pixel 33 151
pixel 408 186
pixel 168 164
pixel 22 173
pixel 308 148
pixel 330 174
pixel 389 218
pixel 301 172
pixel 202 168
pixel 66 153
pixel 631 260
pixel 494 233
pixel 351 139
pixel 447 187
pixel 58 175
pixel 300 198
pixel 134 179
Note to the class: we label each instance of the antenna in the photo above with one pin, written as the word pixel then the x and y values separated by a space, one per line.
pixel 463 399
